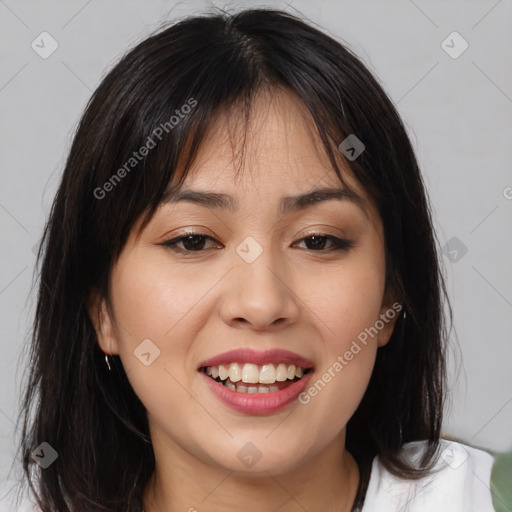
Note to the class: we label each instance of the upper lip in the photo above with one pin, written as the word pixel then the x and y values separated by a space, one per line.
pixel 248 355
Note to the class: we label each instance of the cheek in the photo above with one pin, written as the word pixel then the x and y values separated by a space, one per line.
pixel 154 300
pixel 145 294
pixel 347 304
pixel 348 298
pixel 156 314
pixel 339 383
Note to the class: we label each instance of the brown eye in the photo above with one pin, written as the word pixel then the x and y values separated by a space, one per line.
pixel 316 242
pixel 191 242
pixel 195 242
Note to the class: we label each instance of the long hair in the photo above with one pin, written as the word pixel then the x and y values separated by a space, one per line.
pixel 215 63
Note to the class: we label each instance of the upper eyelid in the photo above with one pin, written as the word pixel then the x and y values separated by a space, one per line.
pixel 319 228
pixel 185 234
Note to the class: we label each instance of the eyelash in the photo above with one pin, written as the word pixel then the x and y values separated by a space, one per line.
pixel 339 244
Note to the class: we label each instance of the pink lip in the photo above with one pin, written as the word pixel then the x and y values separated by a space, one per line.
pixel 257 403
pixel 247 355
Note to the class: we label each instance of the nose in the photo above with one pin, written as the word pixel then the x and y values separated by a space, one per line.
pixel 260 295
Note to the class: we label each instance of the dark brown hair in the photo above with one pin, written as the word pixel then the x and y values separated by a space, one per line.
pixel 91 416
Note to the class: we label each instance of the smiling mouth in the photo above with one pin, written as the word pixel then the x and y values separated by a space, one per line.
pixel 252 378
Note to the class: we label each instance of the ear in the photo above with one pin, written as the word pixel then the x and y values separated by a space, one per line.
pixel 103 324
pixel 389 313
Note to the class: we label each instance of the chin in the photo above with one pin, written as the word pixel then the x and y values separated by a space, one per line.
pixel 260 457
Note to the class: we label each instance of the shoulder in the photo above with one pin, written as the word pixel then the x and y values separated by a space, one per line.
pixel 9 502
pixel 459 482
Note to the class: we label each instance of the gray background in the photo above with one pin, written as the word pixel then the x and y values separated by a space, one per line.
pixel 458 112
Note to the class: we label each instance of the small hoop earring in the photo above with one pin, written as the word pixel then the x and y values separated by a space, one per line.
pixel 108 364
pixel 402 325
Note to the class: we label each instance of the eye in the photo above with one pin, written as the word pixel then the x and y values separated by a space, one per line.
pixel 195 242
pixel 192 242
pixel 316 242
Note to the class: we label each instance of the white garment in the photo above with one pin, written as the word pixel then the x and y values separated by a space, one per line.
pixel 461 484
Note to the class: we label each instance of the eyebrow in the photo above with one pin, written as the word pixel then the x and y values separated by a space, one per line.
pixel 287 204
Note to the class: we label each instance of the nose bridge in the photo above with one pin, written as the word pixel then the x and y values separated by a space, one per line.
pixel 258 264
pixel 258 292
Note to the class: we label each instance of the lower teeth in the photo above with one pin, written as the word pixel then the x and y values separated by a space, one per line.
pixel 241 388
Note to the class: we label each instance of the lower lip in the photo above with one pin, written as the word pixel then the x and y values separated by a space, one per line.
pixel 258 403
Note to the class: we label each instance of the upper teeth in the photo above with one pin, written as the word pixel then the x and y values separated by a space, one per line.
pixel 252 373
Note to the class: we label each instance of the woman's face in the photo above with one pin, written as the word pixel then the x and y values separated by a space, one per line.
pixel 255 281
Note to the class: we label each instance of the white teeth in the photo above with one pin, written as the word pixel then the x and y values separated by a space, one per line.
pixel 268 374
pixel 235 373
pixel 282 372
pixel 249 373
pixel 223 372
pixel 239 388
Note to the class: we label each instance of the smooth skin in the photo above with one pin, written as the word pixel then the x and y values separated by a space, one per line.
pixel 299 295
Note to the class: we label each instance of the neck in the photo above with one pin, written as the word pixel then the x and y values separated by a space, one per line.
pixel 182 482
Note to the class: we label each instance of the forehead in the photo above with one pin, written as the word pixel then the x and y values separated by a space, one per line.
pixel 274 152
